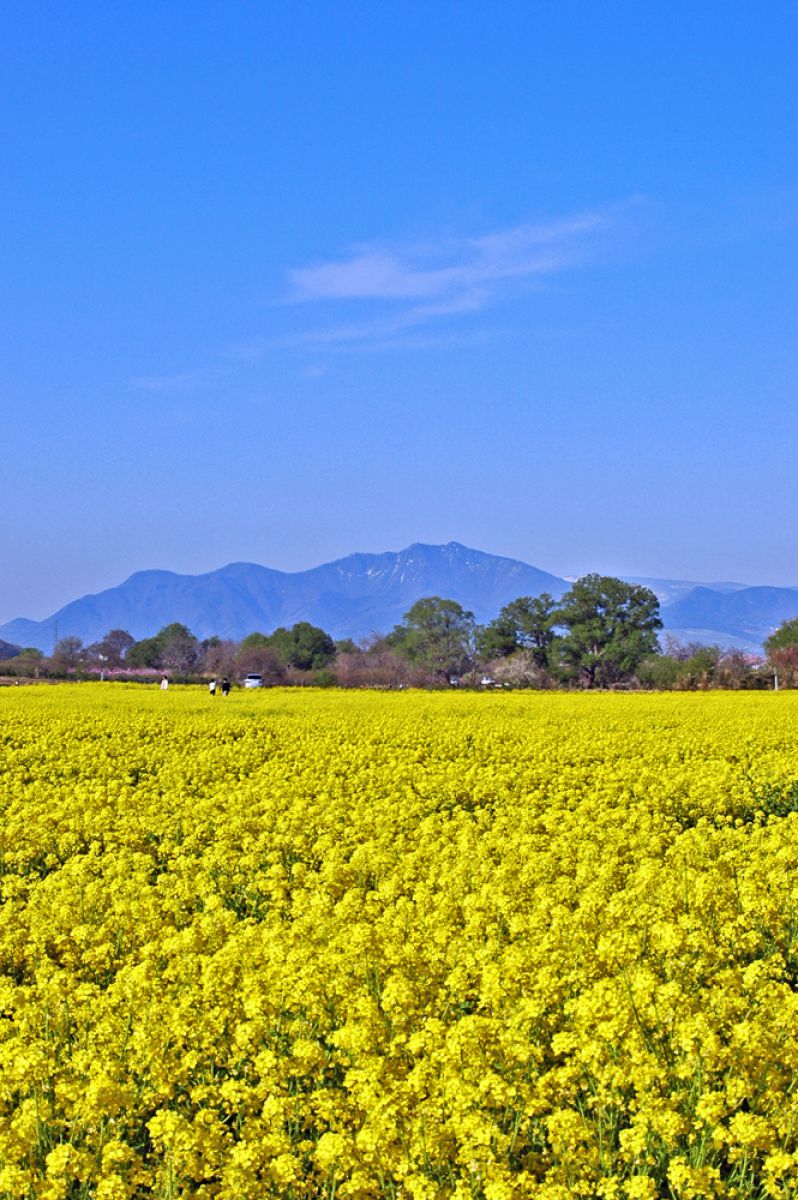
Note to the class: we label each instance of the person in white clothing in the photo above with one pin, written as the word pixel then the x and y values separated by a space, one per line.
pixel 164 683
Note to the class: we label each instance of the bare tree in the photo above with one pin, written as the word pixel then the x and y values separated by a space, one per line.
pixel 179 648
pixel 785 664
pixel 68 654
pixel 375 664
pixel 111 650
pixel 220 658
pixel 260 660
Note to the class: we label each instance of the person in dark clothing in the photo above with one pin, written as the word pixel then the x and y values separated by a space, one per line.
pixel 225 686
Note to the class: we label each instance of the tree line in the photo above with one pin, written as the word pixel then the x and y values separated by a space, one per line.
pixel 603 633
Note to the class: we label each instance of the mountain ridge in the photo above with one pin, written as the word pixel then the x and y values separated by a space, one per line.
pixel 352 596
pixel 364 593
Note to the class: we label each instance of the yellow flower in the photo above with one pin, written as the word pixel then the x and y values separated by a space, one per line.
pixel 413 945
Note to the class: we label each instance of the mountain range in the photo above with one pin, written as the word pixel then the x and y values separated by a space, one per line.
pixel 369 593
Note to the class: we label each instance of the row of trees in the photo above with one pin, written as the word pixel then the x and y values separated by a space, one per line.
pixel 175 650
pixel 602 633
pixel 596 636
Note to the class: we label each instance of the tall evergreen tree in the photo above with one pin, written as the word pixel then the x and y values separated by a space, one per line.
pixel 436 635
pixel 610 627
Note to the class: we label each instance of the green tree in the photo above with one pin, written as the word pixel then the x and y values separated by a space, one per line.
pixel 610 628
pixel 525 624
pixel 31 652
pixel 782 651
pixel 436 635
pixel 279 640
pixel 304 646
pixel 144 653
pixel 700 669
pixel 27 661
pixel 659 672
pixel 497 639
pixel 786 635
pixel 174 648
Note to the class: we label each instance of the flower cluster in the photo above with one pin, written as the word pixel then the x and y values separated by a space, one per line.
pixel 397 945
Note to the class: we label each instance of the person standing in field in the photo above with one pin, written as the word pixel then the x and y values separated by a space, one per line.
pixel 212 687
pixel 164 683
pixel 225 686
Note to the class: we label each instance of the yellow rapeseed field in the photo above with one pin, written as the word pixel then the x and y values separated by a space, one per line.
pixel 323 944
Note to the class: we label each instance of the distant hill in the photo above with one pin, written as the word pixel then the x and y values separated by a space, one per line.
pixel 669 590
pixel 744 617
pixel 369 593
pixel 7 650
pixel 351 597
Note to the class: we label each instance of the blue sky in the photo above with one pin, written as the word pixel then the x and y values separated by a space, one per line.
pixel 282 282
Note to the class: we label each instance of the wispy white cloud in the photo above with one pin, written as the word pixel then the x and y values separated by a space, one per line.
pixel 449 267
pixel 418 294
pixel 351 334
pixel 421 282
pixel 406 319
